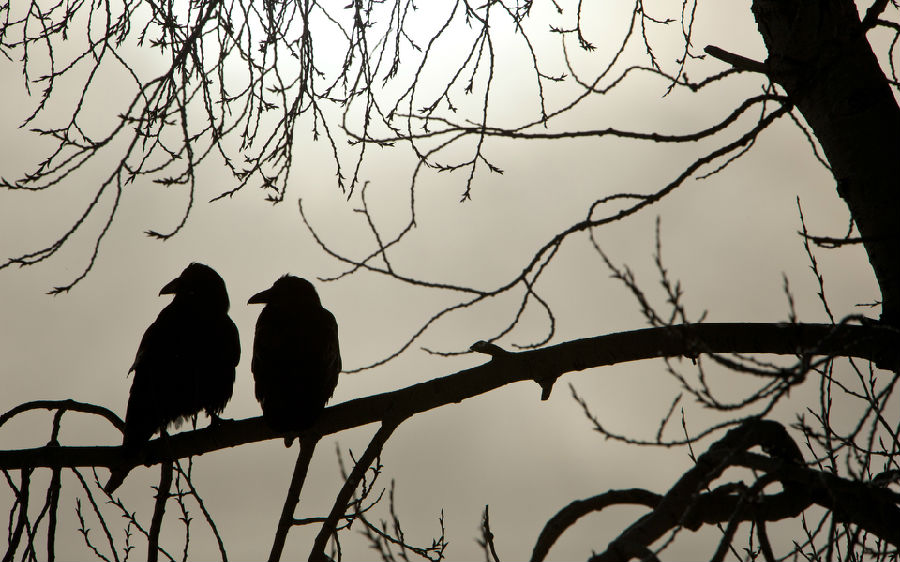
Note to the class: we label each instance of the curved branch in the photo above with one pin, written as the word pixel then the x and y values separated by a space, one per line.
pixel 873 508
pixel 63 405
pixel 542 365
pixel 569 515
pixel 870 507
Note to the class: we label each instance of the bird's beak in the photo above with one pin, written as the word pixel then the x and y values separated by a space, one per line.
pixel 260 298
pixel 171 287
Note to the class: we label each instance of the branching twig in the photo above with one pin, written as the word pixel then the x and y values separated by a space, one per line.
pixel 343 497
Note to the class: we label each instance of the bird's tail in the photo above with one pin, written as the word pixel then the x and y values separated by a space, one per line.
pixel 131 457
pixel 116 477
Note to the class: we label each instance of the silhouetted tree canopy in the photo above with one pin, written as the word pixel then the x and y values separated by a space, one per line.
pixel 238 84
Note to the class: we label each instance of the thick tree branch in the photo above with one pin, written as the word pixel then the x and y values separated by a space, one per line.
pixel 569 515
pixel 545 364
pixel 819 54
pixel 719 505
pixel 873 509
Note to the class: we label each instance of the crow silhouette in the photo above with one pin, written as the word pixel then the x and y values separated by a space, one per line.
pixel 296 356
pixel 185 363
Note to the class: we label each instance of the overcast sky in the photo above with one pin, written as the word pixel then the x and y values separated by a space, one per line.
pixel 730 239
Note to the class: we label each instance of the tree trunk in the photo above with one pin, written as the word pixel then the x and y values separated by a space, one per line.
pixel 818 52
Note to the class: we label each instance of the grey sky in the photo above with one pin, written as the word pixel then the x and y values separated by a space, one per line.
pixel 729 238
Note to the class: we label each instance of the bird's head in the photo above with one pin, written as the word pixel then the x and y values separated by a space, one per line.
pixel 288 290
pixel 199 283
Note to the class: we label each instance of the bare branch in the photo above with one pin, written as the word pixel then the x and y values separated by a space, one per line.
pixel 343 497
pixel 685 505
pixel 286 521
pixel 570 514
pixel 159 510
pixel 209 520
pixel 548 363
pixel 63 405
pixel 739 62
pixel 96 509
pixel 20 506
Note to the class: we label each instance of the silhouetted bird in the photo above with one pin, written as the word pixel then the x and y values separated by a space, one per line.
pixel 296 357
pixel 185 363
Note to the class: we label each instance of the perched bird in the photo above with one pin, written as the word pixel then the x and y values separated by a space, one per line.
pixel 296 357
pixel 185 363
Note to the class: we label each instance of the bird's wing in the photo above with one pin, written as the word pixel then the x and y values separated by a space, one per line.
pixel 155 394
pixel 269 343
pixel 152 338
pixel 217 343
pixel 329 351
pixel 232 341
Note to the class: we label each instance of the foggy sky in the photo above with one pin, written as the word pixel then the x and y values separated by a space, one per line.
pixel 730 239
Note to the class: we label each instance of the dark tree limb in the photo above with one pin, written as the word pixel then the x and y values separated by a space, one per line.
pixel 765 546
pixel 871 507
pixel 569 515
pixel 874 509
pixel 53 491
pixel 22 502
pixel 286 521
pixel 739 62
pixel 159 510
pixel 818 52
pixel 870 20
pixel 678 501
pixel 545 364
pixel 317 554
pixel 64 405
pixel 53 501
